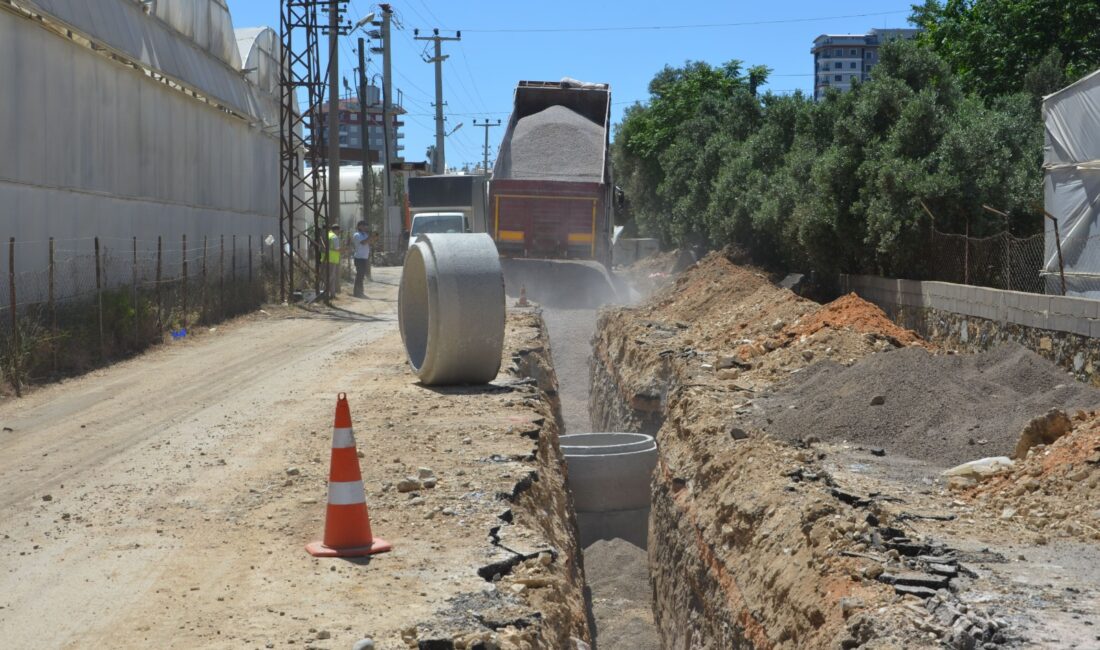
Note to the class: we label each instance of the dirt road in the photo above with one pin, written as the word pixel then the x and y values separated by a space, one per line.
pixel 165 501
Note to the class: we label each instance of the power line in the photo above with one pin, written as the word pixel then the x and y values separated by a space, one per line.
pixel 782 21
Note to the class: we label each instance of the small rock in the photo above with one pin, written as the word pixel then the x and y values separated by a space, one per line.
pixel 429 482
pixel 467 441
pixel 878 400
pixel 728 374
pixel 363 644
pixel 808 355
pixel 1008 513
pixel 878 451
pixel 425 472
pixel 324 634
pixel 416 501
pixel 293 471
pixel 408 484
pixel 450 512
pixel 47 497
pixel 737 433
pixel 849 605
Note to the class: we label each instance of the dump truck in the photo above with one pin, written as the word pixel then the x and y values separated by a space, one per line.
pixel 550 192
pixel 448 203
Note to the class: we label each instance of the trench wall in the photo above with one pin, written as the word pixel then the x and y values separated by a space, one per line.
pixel 737 551
pixel 1064 329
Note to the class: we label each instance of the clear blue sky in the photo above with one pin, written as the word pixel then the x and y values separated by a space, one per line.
pixel 485 65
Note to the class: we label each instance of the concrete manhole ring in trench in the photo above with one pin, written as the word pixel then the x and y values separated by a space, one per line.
pixel 609 476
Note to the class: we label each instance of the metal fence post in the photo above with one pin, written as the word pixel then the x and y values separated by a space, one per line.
pixel 221 280
pixel 186 312
pixel 160 296
pixel 202 282
pixel 50 306
pixel 233 272
pixel 134 295
pixel 99 301
pixel 15 357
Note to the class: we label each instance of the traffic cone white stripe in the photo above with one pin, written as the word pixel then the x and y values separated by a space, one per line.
pixel 346 493
pixel 343 438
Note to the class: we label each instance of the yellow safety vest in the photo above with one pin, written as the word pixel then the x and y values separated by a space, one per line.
pixel 333 248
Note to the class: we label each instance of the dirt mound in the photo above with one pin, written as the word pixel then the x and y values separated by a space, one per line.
pixel 855 313
pixel 946 409
pixel 709 287
pixel 1056 488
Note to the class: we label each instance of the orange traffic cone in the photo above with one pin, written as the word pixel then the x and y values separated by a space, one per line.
pixel 347 524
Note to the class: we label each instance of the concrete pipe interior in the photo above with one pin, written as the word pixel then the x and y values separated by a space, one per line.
pixel 609 476
pixel 414 308
pixel 451 308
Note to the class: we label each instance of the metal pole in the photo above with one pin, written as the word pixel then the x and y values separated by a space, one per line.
pixel 99 301
pixel 160 301
pixel 387 115
pixel 52 307
pixel 221 279
pixel 134 296
pixel 202 281
pixel 364 134
pixel 333 115
pixel 185 319
pixel 14 318
pixel 1058 244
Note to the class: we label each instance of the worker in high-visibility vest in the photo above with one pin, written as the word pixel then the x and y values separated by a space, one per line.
pixel 333 261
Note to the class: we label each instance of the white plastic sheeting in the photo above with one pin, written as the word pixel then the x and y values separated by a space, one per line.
pixel 1071 157
pixel 211 66
pixel 96 148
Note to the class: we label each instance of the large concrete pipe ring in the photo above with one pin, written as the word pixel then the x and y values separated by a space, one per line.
pixel 451 308
pixel 609 476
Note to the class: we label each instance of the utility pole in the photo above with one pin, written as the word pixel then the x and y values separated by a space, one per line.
pixel 485 150
pixel 387 117
pixel 364 135
pixel 440 162
pixel 334 33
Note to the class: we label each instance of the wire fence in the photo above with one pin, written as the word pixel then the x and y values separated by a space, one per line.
pixel 1001 261
pixel 89 301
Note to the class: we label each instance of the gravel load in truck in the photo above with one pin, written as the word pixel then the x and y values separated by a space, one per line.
pixel 556 144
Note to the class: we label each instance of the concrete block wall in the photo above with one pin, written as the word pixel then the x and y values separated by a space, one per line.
pixel 1064 329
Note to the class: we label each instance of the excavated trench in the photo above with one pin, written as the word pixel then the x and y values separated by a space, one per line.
pixel 616 570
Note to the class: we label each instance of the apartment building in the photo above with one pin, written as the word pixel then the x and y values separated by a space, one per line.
pixel 841 59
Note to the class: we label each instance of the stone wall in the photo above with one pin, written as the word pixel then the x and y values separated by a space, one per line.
pixel 1064 329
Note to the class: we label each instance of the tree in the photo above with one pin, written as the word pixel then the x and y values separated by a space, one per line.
pixel 993 44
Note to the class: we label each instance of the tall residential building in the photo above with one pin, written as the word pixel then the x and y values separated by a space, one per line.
pixel 351 131
pixel 840 59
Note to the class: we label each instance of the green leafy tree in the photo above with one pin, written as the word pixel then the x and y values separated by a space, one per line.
pixel 993 45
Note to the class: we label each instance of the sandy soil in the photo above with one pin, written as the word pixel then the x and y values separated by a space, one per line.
pixel 165 501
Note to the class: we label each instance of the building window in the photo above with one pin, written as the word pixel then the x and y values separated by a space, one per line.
pixel 854 53
pixel 839 52
pixel 868 55
pixel 837 78
pixel 838 65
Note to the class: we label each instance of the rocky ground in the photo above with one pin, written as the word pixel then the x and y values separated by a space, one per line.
pixel 166 501
pixel 811 541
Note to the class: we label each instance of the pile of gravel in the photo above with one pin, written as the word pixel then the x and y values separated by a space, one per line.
pixel 555 144
pixel 944 409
